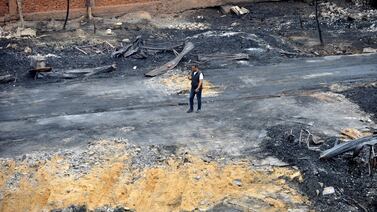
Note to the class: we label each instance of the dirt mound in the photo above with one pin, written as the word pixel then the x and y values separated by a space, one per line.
pixel 105 175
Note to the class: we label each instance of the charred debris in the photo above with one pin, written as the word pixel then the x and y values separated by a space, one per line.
pixel 258 44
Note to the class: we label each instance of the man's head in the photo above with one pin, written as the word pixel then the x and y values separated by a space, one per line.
pixel 194 68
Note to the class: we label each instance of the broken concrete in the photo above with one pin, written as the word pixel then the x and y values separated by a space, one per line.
pixel 27 32
pixel 328 191
pixel 369 50
pixel 240 11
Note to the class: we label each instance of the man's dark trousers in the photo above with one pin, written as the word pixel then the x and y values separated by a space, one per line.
pixel 198 97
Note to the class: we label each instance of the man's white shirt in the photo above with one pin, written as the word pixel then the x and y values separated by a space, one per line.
pixel 200 76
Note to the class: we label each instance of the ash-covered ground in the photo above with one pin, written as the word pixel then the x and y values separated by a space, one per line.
pixel 270 33
pixel 354 187
pixel 365 97
pixel 67 132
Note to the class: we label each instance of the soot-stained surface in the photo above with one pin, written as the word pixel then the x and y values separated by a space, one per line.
pixel 354 188
pixel 276 35
pixel 365 97
pixel 39 118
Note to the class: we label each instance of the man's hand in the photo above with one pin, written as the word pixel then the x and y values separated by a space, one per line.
pixel 199 86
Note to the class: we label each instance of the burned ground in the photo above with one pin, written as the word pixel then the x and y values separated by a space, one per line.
pixel 268 34
pixel 285 84
pixel 354 188
pixel 365 97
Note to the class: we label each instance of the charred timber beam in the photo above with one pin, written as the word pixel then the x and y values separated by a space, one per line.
pixel 173 63
pixel 354 145
pixel 77 73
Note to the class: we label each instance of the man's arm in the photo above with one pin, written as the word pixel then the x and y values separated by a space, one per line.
pixel 190 75
pixel 200 82
pixel 199 86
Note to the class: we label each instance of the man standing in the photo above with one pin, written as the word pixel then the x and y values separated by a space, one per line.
pixel 196 77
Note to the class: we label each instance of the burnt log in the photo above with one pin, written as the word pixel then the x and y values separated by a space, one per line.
pixel 354 145
pixel 173 63
pixel 76 73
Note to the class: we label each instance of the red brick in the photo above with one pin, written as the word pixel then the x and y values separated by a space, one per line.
pixel 4 9
pixel 35 6
pixel 47 9
pixel 100 3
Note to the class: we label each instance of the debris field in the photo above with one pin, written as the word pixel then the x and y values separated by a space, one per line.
pixel 92 117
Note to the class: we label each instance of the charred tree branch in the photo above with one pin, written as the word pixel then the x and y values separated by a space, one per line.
pixel 67 14
pixel 318 24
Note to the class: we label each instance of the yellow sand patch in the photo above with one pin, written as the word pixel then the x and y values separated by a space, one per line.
pixel 173 186
pixel 352 133
pixel 181 83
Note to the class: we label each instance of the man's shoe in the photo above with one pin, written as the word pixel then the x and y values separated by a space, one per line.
pixel 189 111
pixel 198 111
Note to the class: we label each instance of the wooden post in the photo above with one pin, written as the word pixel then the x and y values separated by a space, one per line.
pixel 89 4
pixel 90 16
pixel 20 5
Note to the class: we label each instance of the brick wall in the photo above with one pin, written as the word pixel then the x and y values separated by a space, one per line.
pixel 32 6
pixel 47 9
pixel 35 6
pixel 100 3
pixel 37 9
pixel 3 7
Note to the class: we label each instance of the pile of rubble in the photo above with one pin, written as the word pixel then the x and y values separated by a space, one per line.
pixel 342 183
pixel 333 12
pixel 12 32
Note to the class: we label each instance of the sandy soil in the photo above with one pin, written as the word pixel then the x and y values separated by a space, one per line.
pixel 122 141
pixel 180 182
